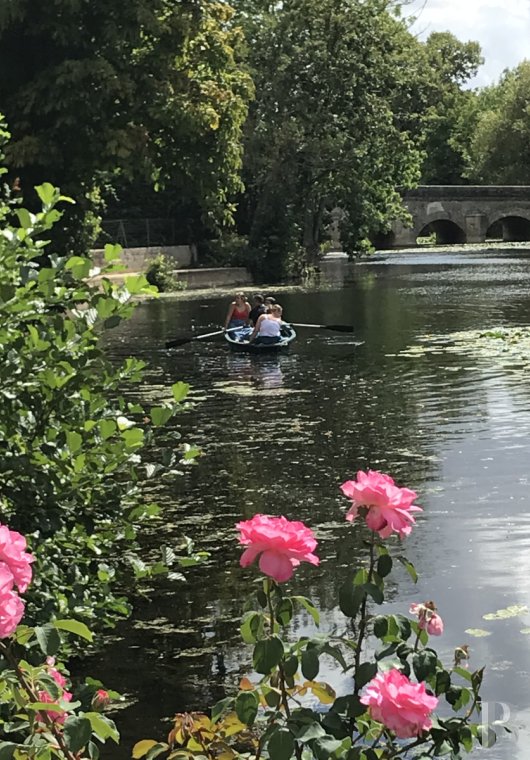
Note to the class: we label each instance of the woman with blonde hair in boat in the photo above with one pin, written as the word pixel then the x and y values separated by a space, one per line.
pixel 238 312
pixel 267 330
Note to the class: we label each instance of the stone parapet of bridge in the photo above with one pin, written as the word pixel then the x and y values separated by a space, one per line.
pixel 462 214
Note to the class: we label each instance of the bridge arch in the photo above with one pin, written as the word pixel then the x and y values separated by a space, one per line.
pixel 447 231
pixel 509 227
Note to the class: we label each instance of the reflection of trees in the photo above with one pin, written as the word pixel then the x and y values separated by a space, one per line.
pixel 341 408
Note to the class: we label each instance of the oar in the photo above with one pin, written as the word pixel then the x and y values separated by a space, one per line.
pixel 337 328
pixel 183 341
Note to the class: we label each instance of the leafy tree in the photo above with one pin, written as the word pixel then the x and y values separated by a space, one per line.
pixel 448 122
pixel 150 88
pixel 75 452
pixel 322 130
pixel 500 148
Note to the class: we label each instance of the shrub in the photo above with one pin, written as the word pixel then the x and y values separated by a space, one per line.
pixel 161 273
pixel 74 452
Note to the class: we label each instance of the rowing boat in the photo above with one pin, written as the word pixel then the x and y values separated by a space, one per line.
pixel 238 341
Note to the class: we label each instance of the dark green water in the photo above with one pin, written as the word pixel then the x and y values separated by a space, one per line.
pixel 280 434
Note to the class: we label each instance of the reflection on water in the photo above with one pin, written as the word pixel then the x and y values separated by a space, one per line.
pixel 280 434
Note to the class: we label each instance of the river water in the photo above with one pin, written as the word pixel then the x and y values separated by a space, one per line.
pixel 415 392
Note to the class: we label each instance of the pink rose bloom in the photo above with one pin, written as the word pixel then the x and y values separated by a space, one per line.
pixel 14 556
pixel 54 673
pixel 428 618
pixel 58 716
pixel 388 507
pixel 400 705
pixel 11 612
pixel 283 544
pixel 100 700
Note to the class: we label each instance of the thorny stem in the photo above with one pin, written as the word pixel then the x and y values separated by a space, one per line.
pixel 364 604
pixel 12 660
pixel 281 672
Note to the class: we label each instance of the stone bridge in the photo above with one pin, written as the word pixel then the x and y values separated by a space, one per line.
pixel 463 214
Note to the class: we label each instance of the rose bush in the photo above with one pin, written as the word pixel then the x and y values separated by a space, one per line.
pixel 397 680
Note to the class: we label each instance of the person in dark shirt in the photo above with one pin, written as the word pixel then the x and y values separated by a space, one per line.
pixel 257 310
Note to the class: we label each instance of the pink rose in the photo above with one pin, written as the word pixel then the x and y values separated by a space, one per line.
pixel 58 716
pixel 283 544
pixel 388 507
pixel 58 677
pixel 11 612
pixel 15 558
pixel 400 705
pixel 428 618
pixel 100 700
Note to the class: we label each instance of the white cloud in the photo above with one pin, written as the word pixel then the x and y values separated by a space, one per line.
pixel 502 27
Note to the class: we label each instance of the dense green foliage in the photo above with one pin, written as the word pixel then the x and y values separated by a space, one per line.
pixel 447 128
pixel 320 134
pixel 74 450
pixel 499 151
pixel 146 88
pixel 161 273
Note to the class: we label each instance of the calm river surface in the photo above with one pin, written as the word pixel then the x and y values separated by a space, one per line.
pixel 441 413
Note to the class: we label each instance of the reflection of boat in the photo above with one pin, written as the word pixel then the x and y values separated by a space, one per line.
pixel 238 341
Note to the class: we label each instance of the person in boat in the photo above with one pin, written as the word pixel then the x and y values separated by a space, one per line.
pixel 238 312
pixel 257 310
pixel 269 301
pixel 267 329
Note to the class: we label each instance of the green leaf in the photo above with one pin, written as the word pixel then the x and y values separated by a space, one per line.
pixel 290 666
pixel 308 605
pixel 48 638
pixel 219 708
pixel 107 428
pixel 112 252
pixel 310 731
pixel 350 598
pixel 252 627
pixel 103 727
pixel 384 565
pixel 281 745
pixel 134 437
pixel 380 624
pixel 77 732
pixel 74 441
pixel 47 193
pixel 246 707
pixel 310 664
pixel 6 750
pixel 364 673
pixel 284 611
pixel 375 592
pixel 142 747
pixel 74 626
pixel 486 736
pixel 424 664
pixel 409 567
pixel 160 415
pixel 180 391
pixel 267 655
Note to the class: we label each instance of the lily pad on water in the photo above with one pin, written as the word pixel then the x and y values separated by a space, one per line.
pixel 508 612
pixel 478 633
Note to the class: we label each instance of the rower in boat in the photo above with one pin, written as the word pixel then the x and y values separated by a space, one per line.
pixel 267 330
pixel 238 312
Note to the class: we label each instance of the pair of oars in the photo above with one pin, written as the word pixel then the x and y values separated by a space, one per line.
pixel 183 341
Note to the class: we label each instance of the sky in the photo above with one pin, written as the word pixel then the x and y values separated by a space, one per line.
pixel 502 27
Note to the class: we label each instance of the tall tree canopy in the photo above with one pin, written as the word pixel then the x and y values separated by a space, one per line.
pixel 146 87
pixel 447 125
pixel 323 130
pixel 500 148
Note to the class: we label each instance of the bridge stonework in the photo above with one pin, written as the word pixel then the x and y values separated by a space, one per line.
pixel 463 214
